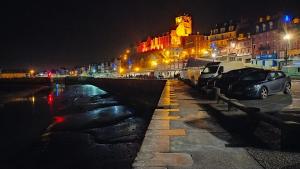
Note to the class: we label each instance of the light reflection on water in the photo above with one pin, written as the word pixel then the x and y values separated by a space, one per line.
pixel 24 119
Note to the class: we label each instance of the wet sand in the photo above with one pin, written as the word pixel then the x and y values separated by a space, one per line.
pixel 78 126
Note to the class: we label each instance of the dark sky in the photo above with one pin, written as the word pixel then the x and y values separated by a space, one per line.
pixel 48 33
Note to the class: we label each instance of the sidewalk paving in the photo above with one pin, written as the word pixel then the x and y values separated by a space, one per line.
pixel 184 135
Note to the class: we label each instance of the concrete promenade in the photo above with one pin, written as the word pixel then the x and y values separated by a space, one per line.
pixel 182 135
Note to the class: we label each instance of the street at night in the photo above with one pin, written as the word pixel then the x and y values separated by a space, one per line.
pixel 169 84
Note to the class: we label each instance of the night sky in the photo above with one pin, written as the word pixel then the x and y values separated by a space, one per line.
pixel 50 34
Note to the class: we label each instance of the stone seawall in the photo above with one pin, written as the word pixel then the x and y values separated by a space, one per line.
pixel 136 93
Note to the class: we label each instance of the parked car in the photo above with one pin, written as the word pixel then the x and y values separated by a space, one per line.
pixel 261 84
pixel 225 80
pixel 214 69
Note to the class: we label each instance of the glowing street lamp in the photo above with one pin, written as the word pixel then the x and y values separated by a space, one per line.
pixel 136 69
pixel 233 44
pixel 31 72
pixel 125 57
pixel 127 51
pixel 121 70
pixel 204 51
pixel 168 53
pixel 154 63
pixel 193 51
pixel 167 61
pixel 214 55
pixel 287 37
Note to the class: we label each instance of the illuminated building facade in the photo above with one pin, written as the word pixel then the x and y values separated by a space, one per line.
pixel 266 37
pixel 270 49
pixel 169 40
pixel 240 48
pixel 269 33
pixel 230 41
pixel 184 25
pixel 196 45
pixel 165 50
pixel 221 35
pixel 153 44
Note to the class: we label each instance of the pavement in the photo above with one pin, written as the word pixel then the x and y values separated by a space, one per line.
pixel 183 134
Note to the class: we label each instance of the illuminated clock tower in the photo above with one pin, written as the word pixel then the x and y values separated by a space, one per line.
pixel 184 25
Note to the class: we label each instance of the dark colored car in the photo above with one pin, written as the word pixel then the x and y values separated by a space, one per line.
pixel 225 80
pixel 261 84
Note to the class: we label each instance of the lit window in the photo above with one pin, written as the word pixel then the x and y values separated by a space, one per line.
pixel 264 27
pixel 271 25
pixel 257 28
pixel 222 30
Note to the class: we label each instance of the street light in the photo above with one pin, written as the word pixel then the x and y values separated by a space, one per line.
pixel 136 69
pixel 31 72
pixel 125 57
pixel 168 53
pixel 287 37
pixel 213 55
pixel 204 51
pixel 233 44
pixel 154 63
pixel 121 70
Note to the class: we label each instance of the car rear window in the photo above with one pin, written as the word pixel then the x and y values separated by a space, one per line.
pixel 238 73
pixel 255 76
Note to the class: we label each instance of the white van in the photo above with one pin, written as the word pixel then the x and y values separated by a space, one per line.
pixel 213 69
pixel 192 70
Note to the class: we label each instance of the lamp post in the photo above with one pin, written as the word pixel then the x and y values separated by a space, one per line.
pixel 287 37
pixel 213 55
pixel 31 73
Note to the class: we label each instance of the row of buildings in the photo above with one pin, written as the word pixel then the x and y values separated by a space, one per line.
pixel 102 69
pixel 269 42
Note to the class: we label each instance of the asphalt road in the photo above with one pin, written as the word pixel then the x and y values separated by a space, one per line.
pixel 278 102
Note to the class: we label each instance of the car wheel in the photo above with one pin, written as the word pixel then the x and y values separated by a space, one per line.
pixel 263 93
pixel 287 89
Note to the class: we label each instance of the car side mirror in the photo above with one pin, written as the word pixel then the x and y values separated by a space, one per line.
pixel 270 78
pixel 221 70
